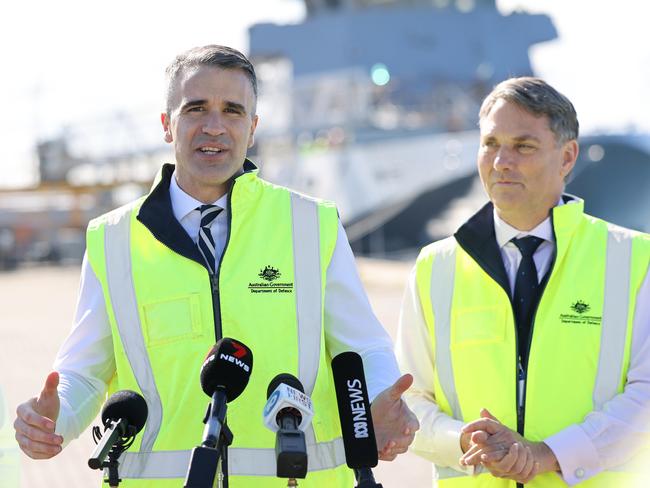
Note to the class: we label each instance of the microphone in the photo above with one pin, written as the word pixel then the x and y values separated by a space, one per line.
pixel 356 420
pixel 288 412
pixel 224 376
pixel 123 416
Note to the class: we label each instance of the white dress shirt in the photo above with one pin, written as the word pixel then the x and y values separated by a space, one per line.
pixel 86 363
pixel 605 439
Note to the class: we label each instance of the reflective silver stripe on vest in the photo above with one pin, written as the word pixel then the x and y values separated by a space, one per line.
pixel 241 462
pixel 615 316
pixel 442 291
pixel 117 251
pixel 307 278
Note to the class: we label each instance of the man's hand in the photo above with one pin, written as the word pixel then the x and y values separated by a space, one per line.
pixel 35 422
pixel 504 452
pixel 395 425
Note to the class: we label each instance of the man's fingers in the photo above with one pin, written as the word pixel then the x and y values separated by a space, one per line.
pixel 527 468
pixel 470 455
pixel 36 434
pixel 488 425
pixel 508 461
pixel 523 455
pixel 529 477
pixel 25 412
pixel 477 454
pixel 493 456
pixel 479 437
pixel 35 449
pixel 387 453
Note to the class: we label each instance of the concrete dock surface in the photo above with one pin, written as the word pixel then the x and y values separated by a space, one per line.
pixel 36 310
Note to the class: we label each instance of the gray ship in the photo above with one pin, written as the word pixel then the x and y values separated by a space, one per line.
pixel 373 104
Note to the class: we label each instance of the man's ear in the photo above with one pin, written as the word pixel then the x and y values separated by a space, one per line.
pixel 569 156
pixel 165 120
pixel 251 136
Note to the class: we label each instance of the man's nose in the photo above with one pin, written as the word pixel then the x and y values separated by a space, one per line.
pixel 213 124
pixel 504 158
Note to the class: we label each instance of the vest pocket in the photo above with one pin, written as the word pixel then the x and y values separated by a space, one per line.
pixel 478 326
pixel 172 320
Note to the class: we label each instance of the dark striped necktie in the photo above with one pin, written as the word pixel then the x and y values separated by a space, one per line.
pixel 526 293
pixel 205 240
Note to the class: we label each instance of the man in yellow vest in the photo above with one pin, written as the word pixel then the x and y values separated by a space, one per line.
pixel 214 251
pixel 527 331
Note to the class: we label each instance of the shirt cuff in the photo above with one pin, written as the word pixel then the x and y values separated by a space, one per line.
pixel 63 425
pixel 443 448
pixel 381 370
pixel 575 453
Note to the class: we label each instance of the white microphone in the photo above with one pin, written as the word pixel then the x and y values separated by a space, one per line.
pixel 287 400
pixel 288 412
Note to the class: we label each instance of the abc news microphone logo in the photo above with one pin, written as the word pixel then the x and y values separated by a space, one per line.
pixel 358 409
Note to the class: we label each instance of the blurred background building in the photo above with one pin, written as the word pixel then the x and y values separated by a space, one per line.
pixel 370 103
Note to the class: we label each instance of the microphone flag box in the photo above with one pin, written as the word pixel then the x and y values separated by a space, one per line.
pixel 284 396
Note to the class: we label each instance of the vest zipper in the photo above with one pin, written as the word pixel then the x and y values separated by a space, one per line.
pixel 214 278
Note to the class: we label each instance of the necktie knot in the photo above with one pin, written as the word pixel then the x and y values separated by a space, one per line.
pixel 208 214
pixel 527 245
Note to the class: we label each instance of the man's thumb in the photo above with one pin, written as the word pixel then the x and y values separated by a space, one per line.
pixel 485 413
pixel 400 386
pixel 50 387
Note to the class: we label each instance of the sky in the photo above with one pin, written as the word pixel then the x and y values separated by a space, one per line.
pixel 73 62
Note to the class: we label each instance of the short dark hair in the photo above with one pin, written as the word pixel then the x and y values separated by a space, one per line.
pixel 212 55
pixel 539 98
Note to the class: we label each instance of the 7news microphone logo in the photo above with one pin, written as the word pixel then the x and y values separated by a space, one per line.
pixel 240 351
pixel 358 408
pixel 233 359
pixel 235 356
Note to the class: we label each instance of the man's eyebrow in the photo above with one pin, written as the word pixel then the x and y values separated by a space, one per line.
pixel 526 137
pixel 193 103
pixel 237 106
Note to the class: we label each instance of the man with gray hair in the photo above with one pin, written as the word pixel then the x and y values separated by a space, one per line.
pixel 527 331
pixel 214 251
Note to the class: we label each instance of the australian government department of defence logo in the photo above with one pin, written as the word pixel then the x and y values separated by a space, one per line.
pixel 579 315
pixel 270 282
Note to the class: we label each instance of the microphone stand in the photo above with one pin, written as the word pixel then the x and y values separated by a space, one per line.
pixel 365 478
pixel 121 436
pixel 210 459
pixel 225 439
pixel 112 464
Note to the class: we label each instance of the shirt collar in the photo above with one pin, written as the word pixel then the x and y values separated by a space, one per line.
pixel 183 203
pixel 505 232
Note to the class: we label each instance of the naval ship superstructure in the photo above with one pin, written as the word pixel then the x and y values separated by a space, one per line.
pixel 373 104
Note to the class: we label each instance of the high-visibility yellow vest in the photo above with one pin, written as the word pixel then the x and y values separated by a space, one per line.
pixel 580 344
pixel 160 308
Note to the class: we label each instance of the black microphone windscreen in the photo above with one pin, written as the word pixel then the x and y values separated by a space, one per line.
pixel 127 405
pixel 287 379
pixel 228 365
pixel 354 411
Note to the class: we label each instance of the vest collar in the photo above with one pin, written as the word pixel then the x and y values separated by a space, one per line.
pixel 566 217
pixel 156 213
pixel 478 239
